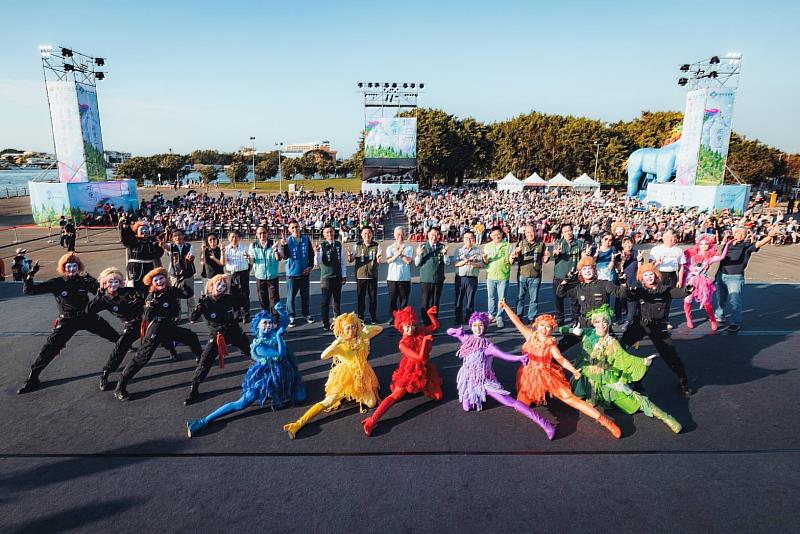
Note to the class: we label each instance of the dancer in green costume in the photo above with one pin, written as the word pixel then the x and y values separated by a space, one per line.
pixel 607 370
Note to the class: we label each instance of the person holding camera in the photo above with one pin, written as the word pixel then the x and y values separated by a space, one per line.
pixel 181 263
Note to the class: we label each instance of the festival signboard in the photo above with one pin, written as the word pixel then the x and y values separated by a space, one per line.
pixel 66 120
pixel 715 136
pixel 90 132
pixel 49 201
pixel 390 146
pixel 732 197
pixel 691 133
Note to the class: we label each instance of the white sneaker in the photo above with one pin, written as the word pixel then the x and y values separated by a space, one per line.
pixel 500 323
pixel 291 322
pixel 309 319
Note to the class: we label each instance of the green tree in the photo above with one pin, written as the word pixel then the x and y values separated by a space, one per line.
pixel 137 168
pixel 344 168
pixel 266 168
pixel 753 161
pixel 307 166
pixel 208 173
pixel 205 157
pixel 236 171
pixel 169 165
pixel 289 168
pixel 325 168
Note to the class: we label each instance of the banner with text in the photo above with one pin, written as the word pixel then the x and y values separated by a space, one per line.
pixel 90 130
pixel 715 137
pixel 690 137
pixel 66 121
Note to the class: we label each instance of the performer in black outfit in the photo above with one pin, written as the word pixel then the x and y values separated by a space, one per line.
pixel 219 310
pixel 589 293
pixel 144 252
pixel 72 291
pixel 68 236
pixel 161 311
pixel 654 298
pixel 127 305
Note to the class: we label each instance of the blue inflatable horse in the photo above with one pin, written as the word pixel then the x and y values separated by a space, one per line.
pixel 646 165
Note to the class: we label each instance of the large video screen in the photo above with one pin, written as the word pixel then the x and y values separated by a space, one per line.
pixel 391 143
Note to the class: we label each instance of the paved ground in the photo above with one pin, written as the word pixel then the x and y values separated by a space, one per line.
pixel 73 458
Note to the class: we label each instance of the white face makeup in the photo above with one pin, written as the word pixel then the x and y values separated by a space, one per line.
pixel 649 278
pixel 265 326
pixel 409 329
pixel 71 269
pixel 544 329
pixel 350 330
pixel 587 272
pixel 144 231
pixel 703 246
pixel 600 326
pixel 160 282
pixel 478 328
pixel 220 287
pixel 113 284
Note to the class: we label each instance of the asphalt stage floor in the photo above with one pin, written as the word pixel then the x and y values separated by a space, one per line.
pixel 74 458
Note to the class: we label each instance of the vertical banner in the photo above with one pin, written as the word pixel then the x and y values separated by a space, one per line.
pixel 716 136
pixel 66 120
pixel 90 130
pixel 690 137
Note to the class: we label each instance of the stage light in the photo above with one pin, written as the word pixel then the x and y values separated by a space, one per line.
pixel 712 74
pixel 385 85
pixel 682 81
pixel 360 85
pixel 422 86
pixel 99 61
pixel 405 86
pixel 66 52
pixel 413 85
pixel 394 86
pixel 68 67
pixel 100 75
pixel 714 60
pixel 685 67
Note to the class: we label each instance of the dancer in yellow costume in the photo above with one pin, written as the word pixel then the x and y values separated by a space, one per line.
pixel 351 377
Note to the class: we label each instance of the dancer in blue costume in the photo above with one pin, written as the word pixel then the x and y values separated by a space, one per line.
pixel 273 374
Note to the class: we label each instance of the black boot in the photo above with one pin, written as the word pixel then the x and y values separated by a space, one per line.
pixel 192 396
pixel 30 384
pixel 686 389
pixel 173 354
pixel 121 393
pixel 104 381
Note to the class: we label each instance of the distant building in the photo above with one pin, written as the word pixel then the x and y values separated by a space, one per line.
pixel 115 158
pixel 298 150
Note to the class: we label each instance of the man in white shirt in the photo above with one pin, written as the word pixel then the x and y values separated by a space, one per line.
pixel 237 265
pixel 669 260
pixel 399 256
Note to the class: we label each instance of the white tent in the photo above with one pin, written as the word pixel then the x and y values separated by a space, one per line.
pixel 534 180
pixel 559 181
pixel 585 182
pixel 510 183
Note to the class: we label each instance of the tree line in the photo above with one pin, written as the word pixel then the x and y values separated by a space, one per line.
pixel 451 150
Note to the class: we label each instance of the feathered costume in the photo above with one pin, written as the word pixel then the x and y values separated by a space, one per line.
pixel 476 379
pixel 273 374
pixel 541 376
pixel 699 262
pixel 607 370
pixel 351 376
pixel 415 373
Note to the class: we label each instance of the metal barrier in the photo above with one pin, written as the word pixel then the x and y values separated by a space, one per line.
pixel 13 192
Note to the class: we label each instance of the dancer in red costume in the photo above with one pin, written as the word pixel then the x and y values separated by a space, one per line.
pixel 700 258
pixel 415 373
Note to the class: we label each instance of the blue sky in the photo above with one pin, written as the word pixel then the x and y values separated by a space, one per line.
pixel 186 75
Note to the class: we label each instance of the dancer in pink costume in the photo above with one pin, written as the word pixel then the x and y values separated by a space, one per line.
pixel 699 260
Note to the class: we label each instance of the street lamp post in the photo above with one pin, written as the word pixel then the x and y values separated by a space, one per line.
pixel 280 173
pixel 253 141
pixel 596 158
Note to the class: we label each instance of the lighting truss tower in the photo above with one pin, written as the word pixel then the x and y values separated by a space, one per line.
pixel 65 64
pixel 713 72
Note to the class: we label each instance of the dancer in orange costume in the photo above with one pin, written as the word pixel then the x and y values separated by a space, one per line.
pixel 415 373
pixel 540 377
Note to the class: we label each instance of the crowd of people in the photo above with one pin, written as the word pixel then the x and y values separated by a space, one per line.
pixel 480 209
pixel 591 240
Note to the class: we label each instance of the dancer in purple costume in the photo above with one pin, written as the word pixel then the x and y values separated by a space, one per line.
pixel 476 379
